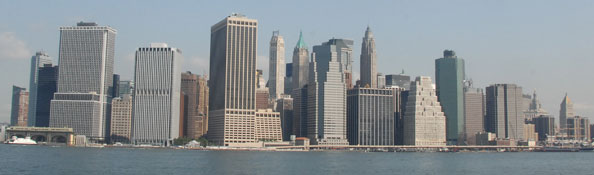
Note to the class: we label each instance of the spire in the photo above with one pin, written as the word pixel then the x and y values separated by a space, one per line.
pixel 301 43
pixel 368 33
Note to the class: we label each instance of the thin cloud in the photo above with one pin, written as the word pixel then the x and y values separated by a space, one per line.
pixel 12 47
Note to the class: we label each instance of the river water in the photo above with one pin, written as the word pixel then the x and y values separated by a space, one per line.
pixel 19 159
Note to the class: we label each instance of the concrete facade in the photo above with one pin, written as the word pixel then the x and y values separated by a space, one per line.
pixel 474 114
pixel 368 60
pixel 20 107
pixel 276 76
pixel 565 112
pixel 505 114
pixel 121 119
pixel 424 122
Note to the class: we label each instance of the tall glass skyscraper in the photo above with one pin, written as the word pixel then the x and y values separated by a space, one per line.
pixel 232 104
pixel 449 78
pixel 84 80
pixel 37 62
pixel 47 84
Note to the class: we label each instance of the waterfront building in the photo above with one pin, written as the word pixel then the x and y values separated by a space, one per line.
pixel 284 105
pixel 544 126
pixel 399 98
pixel 232 84
pixel 193 114
pixel 299 78
pixel 401 80
pixel 424 121
pixel 530 133
pixel 370 116
pixel 474 113
pixel 38 61
pixel 505 115
pixel 202 108
pixel 268 126
pixel 565 112
pixel 121 119
pixel 368 61
pixel 20 106
pixel 326 106
pixel 156 105
pixel 83 98
pixel 47 85
pixel 276 75
pixel 449 78
pixel 578 128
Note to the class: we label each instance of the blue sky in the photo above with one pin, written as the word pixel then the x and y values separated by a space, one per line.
pixel 538 44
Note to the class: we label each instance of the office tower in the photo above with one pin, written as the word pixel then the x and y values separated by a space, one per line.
pixel 284 105
pixel 232 81
pixel 326 106
pixel 381 81
pixel 116 86
pixel 20 106
pixel 449 78
pixel 203 104
pixel 277 66
pixel 474 113
pixel 578 128
pixel 368 60
pixel 370 116
pixel 262 92
pixel 156 105
pixel 399 98
pixel 505 115
pixel 526 100
pixel 195 107
pixel 400 80
pixel 268 126
pixel 565 112
pixel 86 72
pixel 300 76
pixel 288 79
pixel 125 87
pixel 424 123
pixel 121 119
pixel 534 109
pixel 47 84
pixel 38 61
pixel 544 126
pixel 530 133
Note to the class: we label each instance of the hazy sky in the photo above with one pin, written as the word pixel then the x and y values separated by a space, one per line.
pixel 541 45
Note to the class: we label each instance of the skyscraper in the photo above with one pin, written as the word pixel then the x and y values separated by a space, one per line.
pixel 262 92
pixel 565 112
pixel 83 98
pixel 47 84
pixel 370 116
pixel 300 78
pixel 39 60
pixel 544 126
pixel 368 60
pixel 156 105
pixel 285 108
pixel 121 119
pixel 191 115
pixel 276 78
pixel 505 115
pixel 449 78
pixel 125 87
pixel 232 84
pixel 326 106
pixel 424 122
pixel 203 105
pixel 288 79
pixel 578 128
pixel 401 80
pixel 474 113
pixel 20 106
pixel 534 108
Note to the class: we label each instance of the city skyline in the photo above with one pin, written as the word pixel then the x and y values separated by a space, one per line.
pixel 532 71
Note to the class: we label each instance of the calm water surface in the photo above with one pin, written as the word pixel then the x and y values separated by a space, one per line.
pixel 17 159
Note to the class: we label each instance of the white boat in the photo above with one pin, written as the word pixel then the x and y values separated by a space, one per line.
pixel 22 141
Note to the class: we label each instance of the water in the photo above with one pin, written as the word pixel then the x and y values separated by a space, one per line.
pixel 18 159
